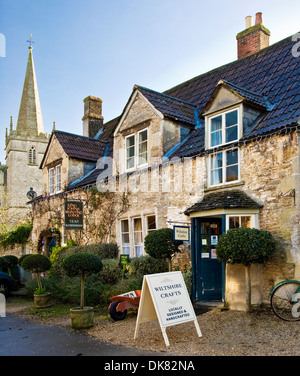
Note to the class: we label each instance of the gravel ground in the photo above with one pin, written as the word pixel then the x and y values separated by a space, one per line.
pixel 224 333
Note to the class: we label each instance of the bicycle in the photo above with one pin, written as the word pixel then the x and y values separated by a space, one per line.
pixel 285 300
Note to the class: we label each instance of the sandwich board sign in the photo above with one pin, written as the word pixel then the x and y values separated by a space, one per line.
pixel 165 298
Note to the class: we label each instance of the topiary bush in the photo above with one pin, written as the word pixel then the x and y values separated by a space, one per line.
pixel 160 244
pixel 103 251
pixel 246 246
pixel 82 264
pixel 36 263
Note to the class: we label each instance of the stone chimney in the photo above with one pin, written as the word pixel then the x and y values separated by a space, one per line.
pixel 92 120
pixel 253 38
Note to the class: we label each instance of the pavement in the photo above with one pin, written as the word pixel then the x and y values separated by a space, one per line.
pixel 22 337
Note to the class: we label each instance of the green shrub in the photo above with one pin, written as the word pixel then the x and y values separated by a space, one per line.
pixel 82 263
pixel 140 266
pixel 22 258
pixel 12 260
pixel 37 264
pixel 160 244
pixel 246 246
pixel 111 272
pixel 103 251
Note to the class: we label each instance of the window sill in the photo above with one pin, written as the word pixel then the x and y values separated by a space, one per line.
pixel 222 186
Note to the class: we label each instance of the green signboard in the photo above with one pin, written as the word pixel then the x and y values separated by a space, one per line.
pixel 73 215
pixel 124 259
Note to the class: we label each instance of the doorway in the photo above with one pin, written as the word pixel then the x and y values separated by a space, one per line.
pixel 208 272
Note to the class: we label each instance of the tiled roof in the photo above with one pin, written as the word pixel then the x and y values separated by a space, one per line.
pixel 81 147
pixel 272 73
pixel 173 108
pixel 229 199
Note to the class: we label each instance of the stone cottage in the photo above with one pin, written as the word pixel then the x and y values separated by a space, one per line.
pixel 213 153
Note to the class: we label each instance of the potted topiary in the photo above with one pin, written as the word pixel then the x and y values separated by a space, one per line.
pixel 82 263
pixel 36 263
pixel 246 246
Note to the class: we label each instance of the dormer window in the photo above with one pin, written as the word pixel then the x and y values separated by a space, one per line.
pixel 136 150
pixel 223 128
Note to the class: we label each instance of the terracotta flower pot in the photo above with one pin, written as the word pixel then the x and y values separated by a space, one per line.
pixel 82 318
pixel 42 300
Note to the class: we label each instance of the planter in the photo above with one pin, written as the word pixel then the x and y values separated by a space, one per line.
pixel 42 300
pixel 82 318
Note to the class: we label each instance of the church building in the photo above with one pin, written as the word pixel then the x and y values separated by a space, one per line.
pixel 21 178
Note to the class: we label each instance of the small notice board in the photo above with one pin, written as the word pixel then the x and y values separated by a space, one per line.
pixel 165 298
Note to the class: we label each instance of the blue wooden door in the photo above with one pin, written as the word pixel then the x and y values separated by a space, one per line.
pixel 209 271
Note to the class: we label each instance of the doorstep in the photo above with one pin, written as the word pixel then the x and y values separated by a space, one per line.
pixel 205 306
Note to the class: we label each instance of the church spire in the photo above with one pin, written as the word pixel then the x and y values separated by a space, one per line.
pixel 30 115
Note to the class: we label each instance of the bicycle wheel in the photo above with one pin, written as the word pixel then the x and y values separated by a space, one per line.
pixel 285 301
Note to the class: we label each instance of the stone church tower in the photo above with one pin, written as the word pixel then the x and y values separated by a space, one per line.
pixel 25 147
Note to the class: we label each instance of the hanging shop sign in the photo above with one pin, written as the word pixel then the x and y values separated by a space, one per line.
pixel 73 215
pixel 181 233
pixel 165 298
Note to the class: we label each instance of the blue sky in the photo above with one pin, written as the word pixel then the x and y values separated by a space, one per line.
pixel 104 47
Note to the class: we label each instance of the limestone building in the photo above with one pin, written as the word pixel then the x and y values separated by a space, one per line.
pixel 213 153
pixel 25 147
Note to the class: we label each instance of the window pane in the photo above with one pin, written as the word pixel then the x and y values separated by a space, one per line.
pixel 143 146
pixel 232 157
pixel 130 152
pixel 246 221
pixel 143 135
pixel 216 177
pixel 234 222
pixel 216 169
pixel 216 124
pixel 232 173
pixel 232 169
pixel 231 133
pixel 138 237
pixel 216 131
pixel 231 118
pixel 130 163
pixel 216 161
pixel 151 223
pixel 124 226
pixel 216 138
pixel 130 141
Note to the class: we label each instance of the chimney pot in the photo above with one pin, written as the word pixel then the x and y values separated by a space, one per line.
pixel 248 22
pixel 258 18
pixel 253 38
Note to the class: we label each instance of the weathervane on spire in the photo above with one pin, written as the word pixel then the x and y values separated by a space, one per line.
pixel 30 42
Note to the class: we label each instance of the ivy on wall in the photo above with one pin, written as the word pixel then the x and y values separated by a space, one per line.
pixel 18 236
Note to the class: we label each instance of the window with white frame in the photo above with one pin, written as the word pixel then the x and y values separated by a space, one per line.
pixel 136 150
pixel 138 237
pixel 125 237
pixel 241 220
pixel 223 128
pixel 224 167
pixel 55 180
pixel 133 232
